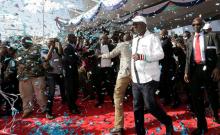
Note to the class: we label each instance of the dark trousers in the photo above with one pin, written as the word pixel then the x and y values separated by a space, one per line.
pixel 85 84
pixel 102 79
pixel 11 87
pixel 72 87
pixel 201 81
pixel 106 84
pixel 219 94
pixel 189 97
pixel 144 95
pixel 166 84
pixel 95 79
pixel 52 80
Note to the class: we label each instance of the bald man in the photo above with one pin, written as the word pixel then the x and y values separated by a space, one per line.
pixel 167 71
pixel 71 81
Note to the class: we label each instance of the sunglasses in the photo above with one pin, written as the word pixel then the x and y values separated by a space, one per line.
pixel 196 24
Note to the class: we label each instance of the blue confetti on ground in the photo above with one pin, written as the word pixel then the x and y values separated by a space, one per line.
pixel 158 129
pixel 52 128
pixel 184 130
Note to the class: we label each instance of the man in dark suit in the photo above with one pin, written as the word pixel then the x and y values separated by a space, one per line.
pixel 202 72
pixel 104 79
pixel 71 77
pixel 167 71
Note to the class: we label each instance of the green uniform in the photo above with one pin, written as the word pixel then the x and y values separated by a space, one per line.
pixel 32 61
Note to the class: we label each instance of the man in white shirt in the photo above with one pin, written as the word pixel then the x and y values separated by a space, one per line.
pixel 105 62
pixel 145 72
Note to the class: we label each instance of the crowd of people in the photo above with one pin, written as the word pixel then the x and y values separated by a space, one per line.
pixel 149 64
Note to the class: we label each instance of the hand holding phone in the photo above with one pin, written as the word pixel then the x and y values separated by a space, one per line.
pixel 57 44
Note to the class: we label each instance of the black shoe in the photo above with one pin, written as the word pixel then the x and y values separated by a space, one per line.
pixel 75 111
pixel 85 98
pixel 206 104
pixel 146 111
pixel 117 131
pixel 91 97
pixel 7 113
pixel 63 102
pixel 98 105
pixel 167 102
pixel 26 114
pixel 217 120
pixel 49 116
pixel 175 105
pixel 169 129
pixel 199 131
pixel 44 111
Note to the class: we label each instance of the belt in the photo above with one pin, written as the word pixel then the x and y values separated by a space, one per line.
pixel 201 63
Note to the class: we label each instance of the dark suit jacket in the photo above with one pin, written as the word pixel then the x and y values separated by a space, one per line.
pixel 70 61
pixel 212 52
pixel 168 61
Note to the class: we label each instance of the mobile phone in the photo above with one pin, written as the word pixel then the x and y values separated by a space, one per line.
pixel 57 44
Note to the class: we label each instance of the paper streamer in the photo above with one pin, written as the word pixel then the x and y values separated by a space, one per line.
pixel 11 99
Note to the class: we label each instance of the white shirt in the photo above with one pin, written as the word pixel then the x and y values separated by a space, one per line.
pixel 202 45
pixel 147 70
pixel 73 45
pixel 105 62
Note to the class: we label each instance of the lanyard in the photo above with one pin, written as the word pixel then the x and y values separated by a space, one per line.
pixel 135 69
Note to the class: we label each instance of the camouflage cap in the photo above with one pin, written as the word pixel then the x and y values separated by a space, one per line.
pixel 26 40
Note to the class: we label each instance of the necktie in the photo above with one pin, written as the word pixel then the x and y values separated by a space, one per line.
pixel 197 50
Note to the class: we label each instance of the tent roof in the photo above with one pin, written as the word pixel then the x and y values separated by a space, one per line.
pixel 172 16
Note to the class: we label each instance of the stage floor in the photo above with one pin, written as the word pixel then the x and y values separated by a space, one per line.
pixel 98 121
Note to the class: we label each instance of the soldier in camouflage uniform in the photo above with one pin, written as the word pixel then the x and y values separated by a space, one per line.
pixel 31 76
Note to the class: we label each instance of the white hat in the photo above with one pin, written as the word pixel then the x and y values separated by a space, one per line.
pixel 207 26
pixel 139 19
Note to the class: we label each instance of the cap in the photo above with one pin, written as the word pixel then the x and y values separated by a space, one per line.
pixel 139 19
pixel 207 26
pixel 26 40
